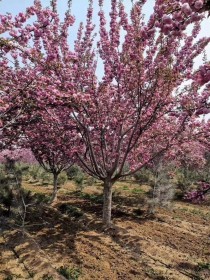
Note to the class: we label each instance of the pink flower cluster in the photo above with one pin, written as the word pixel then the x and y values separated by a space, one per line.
pixel 199 194
pixel 19 155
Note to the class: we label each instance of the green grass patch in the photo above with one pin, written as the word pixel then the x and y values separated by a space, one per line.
pixel 125 188
pixel 138 191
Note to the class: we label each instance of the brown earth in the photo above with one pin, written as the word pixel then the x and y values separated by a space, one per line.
pixel 173 244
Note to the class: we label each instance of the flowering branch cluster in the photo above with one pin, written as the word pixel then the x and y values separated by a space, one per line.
pixel 199 194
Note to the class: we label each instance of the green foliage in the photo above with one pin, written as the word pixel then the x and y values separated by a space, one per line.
pixel 179 195
pixel 23 167
pixel 70 210
pixel 41 198
pixel 34 171
pixel 45 178
pixel 3 177
pixel 12 194
pixel 143 176
pixel 6 194
pixel 6 197
pixel 138 191
pixel 26 195
pixel 90 181
pixel 79 180
pixel 73 171
pixel 95 198
pixel 11 179
pixel 202 266
pixel 62 178
pixel 38 174
pixel 72 273
pixel 185 180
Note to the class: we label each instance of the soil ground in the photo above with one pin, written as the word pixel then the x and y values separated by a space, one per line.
pixel 172 244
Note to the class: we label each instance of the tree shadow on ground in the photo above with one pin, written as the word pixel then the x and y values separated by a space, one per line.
pixel 196 271
pixel 122 206
pixel 46 230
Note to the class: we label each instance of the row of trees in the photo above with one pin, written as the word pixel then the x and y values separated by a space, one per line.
pixel 150 102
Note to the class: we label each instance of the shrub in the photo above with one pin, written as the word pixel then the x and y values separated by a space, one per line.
pixel 45 177
pixel 41 198
pixel 70 273
pixel 202 266
pixel 70 210
pixel 95 198
pixel 79 180
pixel 62 178
pixel 11 179
pixel 73 171
pixel 143 176
pixel 7 198
pixel 34 171
pixel 37 173
pixel 90 181
pixel 184 182
pixel 3 178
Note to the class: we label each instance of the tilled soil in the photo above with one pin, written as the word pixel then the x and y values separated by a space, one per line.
pixel 173 244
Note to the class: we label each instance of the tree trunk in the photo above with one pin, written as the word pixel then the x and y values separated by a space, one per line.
pixel 55 187
pixel 107 204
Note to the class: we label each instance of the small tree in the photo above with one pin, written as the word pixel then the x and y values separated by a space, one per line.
pixel 52 146
pixel 13 195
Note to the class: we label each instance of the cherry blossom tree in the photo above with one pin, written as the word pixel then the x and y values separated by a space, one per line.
pixel 28 62
pixel 150 92
pixel 142 99
pixel 29 84
pixel 53 144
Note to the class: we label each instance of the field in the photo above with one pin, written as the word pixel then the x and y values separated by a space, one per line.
pixel 68 239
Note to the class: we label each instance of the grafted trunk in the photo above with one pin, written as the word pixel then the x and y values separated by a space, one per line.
pixel 55 187
pixel 107 203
